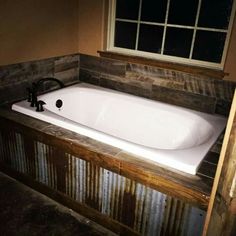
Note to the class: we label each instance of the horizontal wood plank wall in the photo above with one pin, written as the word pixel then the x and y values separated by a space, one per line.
pixel 202 90
pixel 164 64
pixel 79 178
pixel 14 79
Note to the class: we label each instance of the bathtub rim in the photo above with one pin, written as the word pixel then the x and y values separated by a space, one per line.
pixel 190 168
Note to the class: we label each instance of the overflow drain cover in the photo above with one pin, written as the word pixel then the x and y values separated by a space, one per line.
pixel 59 103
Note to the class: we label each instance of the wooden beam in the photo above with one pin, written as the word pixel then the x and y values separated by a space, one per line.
pixel 226 156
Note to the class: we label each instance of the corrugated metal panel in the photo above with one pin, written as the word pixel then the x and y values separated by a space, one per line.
pixel 21 153
pixel 143 209
pixel 41 166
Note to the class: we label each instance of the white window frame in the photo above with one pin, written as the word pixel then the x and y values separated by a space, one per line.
pixel 188 61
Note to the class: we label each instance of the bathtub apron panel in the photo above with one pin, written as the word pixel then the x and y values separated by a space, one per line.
pixel 138 207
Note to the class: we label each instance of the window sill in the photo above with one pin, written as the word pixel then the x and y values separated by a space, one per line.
pixel 219 74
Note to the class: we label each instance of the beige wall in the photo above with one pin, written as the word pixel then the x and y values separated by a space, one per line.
pixel 34 29
pixel 230 63
pixel 91 26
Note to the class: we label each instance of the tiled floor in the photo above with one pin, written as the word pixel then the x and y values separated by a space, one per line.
pixel 24 211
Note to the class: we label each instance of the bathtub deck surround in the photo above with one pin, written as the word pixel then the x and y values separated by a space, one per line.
pixel 175 137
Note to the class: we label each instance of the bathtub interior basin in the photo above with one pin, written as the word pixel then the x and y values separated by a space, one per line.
pixel 169 135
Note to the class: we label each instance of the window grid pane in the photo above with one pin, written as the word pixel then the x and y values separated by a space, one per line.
pixel 214 14
pixel 127 9
pixel 178 42
pixel 209 46
pixel 154 10
pixel 125 35
pixel 150 38
pixel 179 15
pixel 166 25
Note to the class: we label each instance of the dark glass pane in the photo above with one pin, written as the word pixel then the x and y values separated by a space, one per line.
pixel 127 9
pixel 150 38
pixel 154 11
pixel 209 46
pixel 178 42
pixel 125 35
pixel 182 12
pixel 215 14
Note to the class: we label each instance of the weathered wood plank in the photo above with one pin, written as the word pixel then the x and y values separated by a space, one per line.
pixel 169 65
pixel 222 203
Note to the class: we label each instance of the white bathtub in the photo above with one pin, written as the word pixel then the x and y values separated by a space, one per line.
pixel 166 134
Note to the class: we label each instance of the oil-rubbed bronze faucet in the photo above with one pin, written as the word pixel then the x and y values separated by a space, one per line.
pixel 32 92
pixel 39 105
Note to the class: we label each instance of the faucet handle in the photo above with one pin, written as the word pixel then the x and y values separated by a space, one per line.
pixel 39 106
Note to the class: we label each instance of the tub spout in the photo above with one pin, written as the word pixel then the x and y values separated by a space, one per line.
pixel 36 86
pixel 41 81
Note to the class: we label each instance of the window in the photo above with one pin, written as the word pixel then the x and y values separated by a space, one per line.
pixel 188 31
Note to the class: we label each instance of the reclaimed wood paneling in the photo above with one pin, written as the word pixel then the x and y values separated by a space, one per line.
pixel 14 79
pixel 168 65
pixel 103 65
pixel 198 91
pixel 99 180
